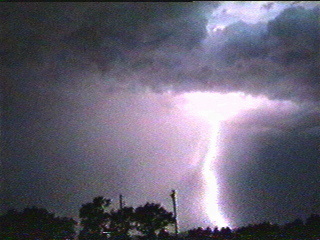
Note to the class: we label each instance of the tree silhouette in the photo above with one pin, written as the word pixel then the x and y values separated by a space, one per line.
pixel 295 229
pixel 163 234
pixel 35 224
pixel 313 226
pixel 208 233
pixel 94 218
pixel 261 231
pixel 200 233
pixel 122 221
pixel 152 217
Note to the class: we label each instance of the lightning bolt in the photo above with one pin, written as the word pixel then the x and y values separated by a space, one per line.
pixel 211 196
pixel 215 108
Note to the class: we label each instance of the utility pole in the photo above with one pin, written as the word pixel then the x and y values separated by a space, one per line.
pixel 121 202
pixel 173 195
pixel 121 210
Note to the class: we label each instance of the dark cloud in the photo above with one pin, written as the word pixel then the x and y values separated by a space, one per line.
pixel 65 38
pixel 161 45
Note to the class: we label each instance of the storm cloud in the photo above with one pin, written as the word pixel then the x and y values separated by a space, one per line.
pixel 81 82
pixel 164 46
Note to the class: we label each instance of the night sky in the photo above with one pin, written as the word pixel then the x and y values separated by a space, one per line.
pixel 94 100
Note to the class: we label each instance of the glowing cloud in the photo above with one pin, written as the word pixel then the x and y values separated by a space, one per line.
pixel 251 11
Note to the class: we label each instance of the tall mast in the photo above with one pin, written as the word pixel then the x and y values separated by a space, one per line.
pixel 173 195
pixel 121 201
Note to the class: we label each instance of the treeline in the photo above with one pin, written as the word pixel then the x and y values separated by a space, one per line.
pixel 149 221
pixel 296 230
pixel 35 223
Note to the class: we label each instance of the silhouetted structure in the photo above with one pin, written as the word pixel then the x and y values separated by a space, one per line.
pixel 174 203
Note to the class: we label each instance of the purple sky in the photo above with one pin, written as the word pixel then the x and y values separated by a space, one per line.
pixel 92 100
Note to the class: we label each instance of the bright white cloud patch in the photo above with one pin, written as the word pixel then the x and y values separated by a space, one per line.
pixel 250 12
